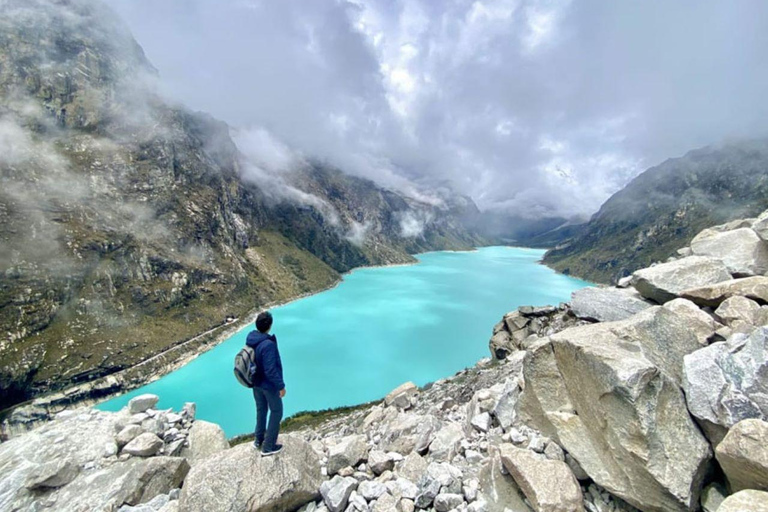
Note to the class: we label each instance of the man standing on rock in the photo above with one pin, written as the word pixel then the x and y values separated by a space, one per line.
pixel 268 385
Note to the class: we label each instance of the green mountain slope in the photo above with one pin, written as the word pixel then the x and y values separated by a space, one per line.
pixel 126 224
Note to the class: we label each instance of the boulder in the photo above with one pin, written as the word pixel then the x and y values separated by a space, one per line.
pixel 128 434
pixel 498 490
pixel 755 288
pixel 336 492
pixel 726 382
pixel 445 502
pixel 701 324
pixel 667 281
pixel 607 304
pixel 610 395
pixel 402 395
pixel 502 344
pixel 132 482
pixel 739 313
pixel 712 497
pixel 743 455
pixel 481 422
pixel 347 451
pixel 144 445
pixel 238 480
pixel 386 503
pixel 760 225
pixel 371 490
pixel 141 403
pixel 549 485
pixel 205 439
pixel 742 251
pixel 745 501
pixel 51 475
pixel 408 432
pixel 412 467
pixel 379 462
pixel 446 442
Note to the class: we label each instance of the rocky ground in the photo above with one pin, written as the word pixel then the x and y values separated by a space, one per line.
pixel 648 396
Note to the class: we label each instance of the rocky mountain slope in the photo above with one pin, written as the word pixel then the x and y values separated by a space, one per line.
pixel 650 397
pixel 664 208
pixel 128 224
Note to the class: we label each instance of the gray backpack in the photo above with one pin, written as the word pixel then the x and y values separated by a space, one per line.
pixel 245 366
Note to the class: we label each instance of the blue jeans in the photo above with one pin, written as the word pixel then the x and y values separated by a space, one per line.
pixel 271 400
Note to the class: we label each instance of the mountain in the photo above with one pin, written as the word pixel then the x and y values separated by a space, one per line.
pixel 129 224
pixel 512 229
pixel 662 209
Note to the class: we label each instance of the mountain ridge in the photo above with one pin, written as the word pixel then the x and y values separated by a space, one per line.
pixel 663 208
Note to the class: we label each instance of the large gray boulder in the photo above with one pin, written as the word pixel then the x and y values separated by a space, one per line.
pixel 743 455
pixel 703 326
pixel 745 501
pixel 755 288
pixel 346 451
pixel 727 382
pixel 667 281
pixel 402 395
pixel 336 492
pixel 130 483
pixel 141 403
pixel 742 251
pixel 70 462
pixel 205 439
pixel 144 445
pixel 548 484
pixel 409 431
pixel 53 474
pixel 610 395
pixel 498 490
pixel 238 480
pixel 446 442
pixel 607 304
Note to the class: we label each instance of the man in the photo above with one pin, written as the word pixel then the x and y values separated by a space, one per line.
pixel 268 385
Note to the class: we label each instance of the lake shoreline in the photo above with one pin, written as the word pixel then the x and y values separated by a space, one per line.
pixel 37 411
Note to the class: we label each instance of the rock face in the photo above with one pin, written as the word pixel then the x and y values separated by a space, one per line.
pixel 726 382
pixel 606 304
pixel 745 501
pixel 549 485
pixel 743 455
pixel 205 439
pixel 665 282
pixel 609 392
pixel 238 480
pixel 742 251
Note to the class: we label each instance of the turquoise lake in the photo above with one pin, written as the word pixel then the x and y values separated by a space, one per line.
pixel 377 329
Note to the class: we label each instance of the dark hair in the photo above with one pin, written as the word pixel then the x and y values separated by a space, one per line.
pixel 264 321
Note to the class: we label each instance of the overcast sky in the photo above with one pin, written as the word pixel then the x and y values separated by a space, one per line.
pixel 537 107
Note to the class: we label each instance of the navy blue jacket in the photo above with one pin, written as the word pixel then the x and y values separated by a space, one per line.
pixel 269 368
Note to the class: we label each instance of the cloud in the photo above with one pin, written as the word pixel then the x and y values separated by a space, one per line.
pixel 417 94
pixel 413 223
